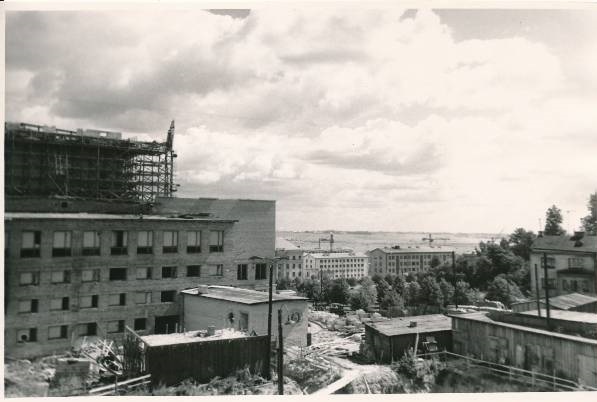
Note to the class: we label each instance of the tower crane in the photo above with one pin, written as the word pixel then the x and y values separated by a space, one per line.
pixel 325 239
pixel 431 239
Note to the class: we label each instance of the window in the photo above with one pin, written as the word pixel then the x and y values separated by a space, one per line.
pixel 61 244
pixel 27 335
pixel 576 263
pixel 145 242
pixel 168 272
pixel 59 303
pixel 28 306
pixel 89 301
pixel 170 243
pixel 241 272
pixel 219 270
pixel 114 327
pixel 194 241
pixel 119 244
pixel 118 274
pixel 90 275
pixel 216 241
pixel 117 299
pixel 551 262
pixel 143 297
pixel 144 273
pixel 91 243
pixel 260 271
pixel 88 329
pixel 140 324
pixel 30 244
pixel 29 278
pixel 194 270
pixel 167 296
pixel 58 332
pixel 60 277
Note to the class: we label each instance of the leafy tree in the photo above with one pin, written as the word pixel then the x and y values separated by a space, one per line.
pixel 392 300
pixel 352 281
pixel 521 242
pixel 464 294
pixel 589 222
pixel 447 291
pixel 435 262
pixel 553 221
pixel 431 293
pixel 338 292
pixel 398 284
pixel 383 288
pixel 365 297
pixel 503 290
pixel 412 293
pixel 282 284
pixel 308 288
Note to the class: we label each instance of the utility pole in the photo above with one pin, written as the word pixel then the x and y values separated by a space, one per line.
pixel 454 276
pixel 280 355
pixel 537 291
pixel 269 323
pixel 546 291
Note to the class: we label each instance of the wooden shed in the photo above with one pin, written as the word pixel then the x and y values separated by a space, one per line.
pixel 518 343
pixel 389 340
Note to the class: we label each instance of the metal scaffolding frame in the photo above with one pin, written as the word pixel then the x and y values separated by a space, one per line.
pixel 45 161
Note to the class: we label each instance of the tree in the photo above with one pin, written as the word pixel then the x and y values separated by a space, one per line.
pixel 392 300
pixel 383 288
pixel 352 281
pixel 338 292
pixel 503 290
pixel 589 222
pixel 365 297
pixel 412 292
pixel 282 284
pixel 553 220
pixel 463 294
pixel 447 291
pixel 431 293
pixel 521 242
pixel 435 262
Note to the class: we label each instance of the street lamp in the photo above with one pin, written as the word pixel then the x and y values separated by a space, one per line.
pixel 269 260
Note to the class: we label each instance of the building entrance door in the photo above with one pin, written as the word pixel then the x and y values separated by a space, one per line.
pixel 166 324
pixel 243 323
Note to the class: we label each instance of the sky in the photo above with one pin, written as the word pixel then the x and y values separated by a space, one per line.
pixel 350 118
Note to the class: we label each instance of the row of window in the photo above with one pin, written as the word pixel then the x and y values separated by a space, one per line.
pixel 121 274
pixel 242 271
pixel 92 301
pixel 87 329
pixel 62 242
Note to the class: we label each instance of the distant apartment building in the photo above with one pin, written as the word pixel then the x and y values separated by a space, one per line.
pixel 290 263
pixel 402 261
pixel 571 263
pixel 118 251
pixel 336 265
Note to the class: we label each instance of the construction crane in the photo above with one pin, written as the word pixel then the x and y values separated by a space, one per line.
pixel 325 239
pixel 432 239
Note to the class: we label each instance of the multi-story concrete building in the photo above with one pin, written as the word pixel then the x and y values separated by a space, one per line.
pixel 91 263
pixel 571 263
pixel 398 260
pixel 336 265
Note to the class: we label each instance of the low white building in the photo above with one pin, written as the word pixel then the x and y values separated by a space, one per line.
pixel 336 265
pixel 245 310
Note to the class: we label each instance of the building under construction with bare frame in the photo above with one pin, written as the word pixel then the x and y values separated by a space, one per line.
pixel 46 161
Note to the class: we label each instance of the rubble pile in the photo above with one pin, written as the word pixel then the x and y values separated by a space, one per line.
pixel 352 323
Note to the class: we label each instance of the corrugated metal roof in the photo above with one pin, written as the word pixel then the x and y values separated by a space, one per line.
pixel 563 243
pixel 239 295
pixel 576 316
pixel 482 317
pixel 565 302
pixel 425 323
pixel 84 215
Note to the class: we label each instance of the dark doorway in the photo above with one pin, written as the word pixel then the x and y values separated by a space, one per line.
pixel 166 324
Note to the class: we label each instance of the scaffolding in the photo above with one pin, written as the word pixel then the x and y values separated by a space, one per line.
pixel 46 161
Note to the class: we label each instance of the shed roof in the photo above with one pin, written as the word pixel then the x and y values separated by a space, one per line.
pixel 425 323
pixel 191 337
pixel 93 216
pixel 564 243
pixel 566 302
pixel 481 316
pixel 575 316
pixel 238 295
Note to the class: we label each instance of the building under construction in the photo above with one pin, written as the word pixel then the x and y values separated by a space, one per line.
pixel 46 161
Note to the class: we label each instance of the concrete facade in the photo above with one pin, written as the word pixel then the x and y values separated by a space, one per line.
pixel 57 291
pixel 336 265
pixel 245 310
pixel 403 261
pixel 571 265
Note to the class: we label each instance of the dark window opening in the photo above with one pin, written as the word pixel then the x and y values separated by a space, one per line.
pixel 168 272
pixel 241 272
pixel 118 274
pixel 194 270
pixel 140 324
pixel 167 296
pixel 260 271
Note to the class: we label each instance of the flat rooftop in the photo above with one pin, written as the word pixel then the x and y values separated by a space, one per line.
pixel 482 316
pixel 191 337
pixel 568 301
pixel 239 295
pixel 83 215
pixel 565 315
pixel 425 323
pixel 415 249
pixel 326 255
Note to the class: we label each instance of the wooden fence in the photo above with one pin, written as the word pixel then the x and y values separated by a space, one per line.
pixel 202 361
pixel 516 374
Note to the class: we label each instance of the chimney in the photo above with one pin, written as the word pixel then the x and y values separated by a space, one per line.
pixel 201 289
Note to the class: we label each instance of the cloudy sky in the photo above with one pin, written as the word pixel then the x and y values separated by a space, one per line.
pixel 352 119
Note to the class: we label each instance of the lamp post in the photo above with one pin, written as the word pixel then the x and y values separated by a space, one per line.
pixel 269 309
